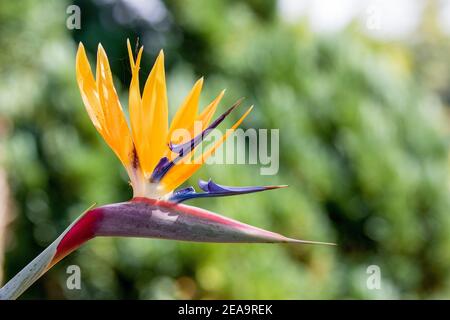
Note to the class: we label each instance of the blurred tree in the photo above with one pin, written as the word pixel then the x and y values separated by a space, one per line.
pixel 361 146
pixel 431 49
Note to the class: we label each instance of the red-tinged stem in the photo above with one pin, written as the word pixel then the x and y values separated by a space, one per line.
pixel 82 231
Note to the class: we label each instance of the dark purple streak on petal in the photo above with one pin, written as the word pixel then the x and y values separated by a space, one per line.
pixel 184 149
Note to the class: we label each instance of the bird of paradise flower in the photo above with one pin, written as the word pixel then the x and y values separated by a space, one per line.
pixel 155 168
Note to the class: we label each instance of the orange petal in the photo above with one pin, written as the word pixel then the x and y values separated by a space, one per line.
pixel 182 171
pixel 102 103
pixel 119 137
pixel 149 117
pixel 88 88
pixel 207 114
pixel 186 114
pixel 137 117
pixel 204 118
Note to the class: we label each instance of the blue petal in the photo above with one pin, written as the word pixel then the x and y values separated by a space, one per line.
pixel 212 189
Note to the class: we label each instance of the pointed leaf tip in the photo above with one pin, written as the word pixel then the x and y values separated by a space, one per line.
pixel 282 186
pixel 291 240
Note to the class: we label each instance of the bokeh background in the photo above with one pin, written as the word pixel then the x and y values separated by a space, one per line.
pixel 360 91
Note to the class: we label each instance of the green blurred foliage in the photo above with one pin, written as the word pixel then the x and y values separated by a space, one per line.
pixel 362 146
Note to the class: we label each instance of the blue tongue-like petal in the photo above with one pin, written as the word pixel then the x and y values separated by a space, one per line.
pixel 212 189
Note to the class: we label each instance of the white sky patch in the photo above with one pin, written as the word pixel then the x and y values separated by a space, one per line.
pixel 444 16
pixel 152 11
pixel 385 19
pixel 291 10
pixel 329 16
pixel 397 19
